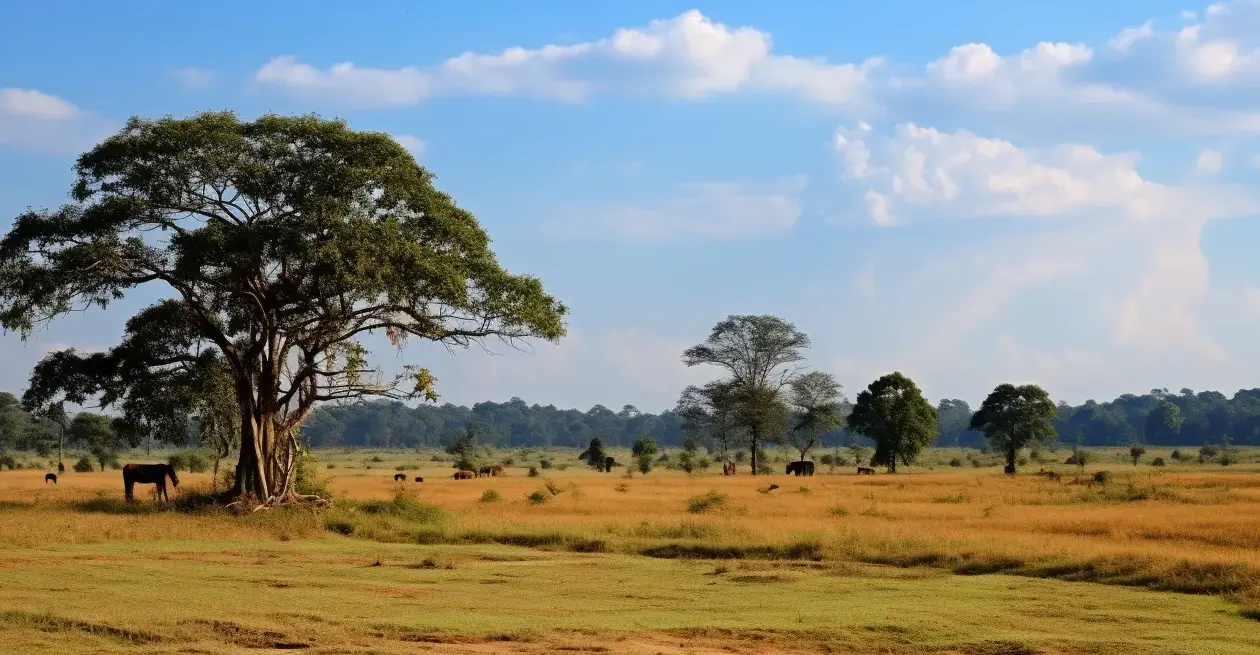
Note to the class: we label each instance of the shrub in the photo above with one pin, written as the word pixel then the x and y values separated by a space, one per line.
pixel 955 462
pixel 740 456
pixel 827 460
pixel 508 461
pixel 1158 461
pixel 543 464
pixel 1022 461
pixel 1177 455
pixel 533 472
pixel 562 467
pixel 686 462
pixel 1207 452
pixel 553 488
pixel 538 497
pixel 7 462
pixel 196 463
pixel 645 464
pixel 705 502
pixel 176 461
pixel 644 446
pixel 1102 477
pixel 376 459
pixel 490 496
pixel 84 465
pixel 331 466
pixel 1135 454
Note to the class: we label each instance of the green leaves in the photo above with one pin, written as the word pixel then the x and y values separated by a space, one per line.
pixel 894 414
pixel 1013 417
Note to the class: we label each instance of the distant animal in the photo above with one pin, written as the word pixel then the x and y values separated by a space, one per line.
pixel 800 468
pixel 50 477
pixel 61 468
pixel 148 474
pixel 1051 475
pixel 862 470
pixel 399 477
pixel 609 463
pixel 464 475
pixel 728 468
pixel 419 479
pixel 496 471
pixel 483 472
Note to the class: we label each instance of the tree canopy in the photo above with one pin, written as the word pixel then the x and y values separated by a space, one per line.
pixel 762 354
pixel 1014 417
pixel 817 406
pixel 282 243
pixel 893 413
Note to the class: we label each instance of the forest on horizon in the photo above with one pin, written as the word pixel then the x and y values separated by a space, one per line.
pixel 1209 417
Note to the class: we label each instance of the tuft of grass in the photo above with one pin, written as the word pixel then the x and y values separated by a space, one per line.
pixel 705 502
pixel 491 496
pixel 537 498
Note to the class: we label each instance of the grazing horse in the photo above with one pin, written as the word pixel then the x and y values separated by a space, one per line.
pixel 803 467
pixel 609 463
pixel 50 477
pixel 483 472
pixel 728 468
pixel 862 470
pixel 464 475
pixel 149 474
pixel 400 477
pixel 419 479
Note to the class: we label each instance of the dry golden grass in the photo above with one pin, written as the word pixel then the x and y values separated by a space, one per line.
pixel 1195 529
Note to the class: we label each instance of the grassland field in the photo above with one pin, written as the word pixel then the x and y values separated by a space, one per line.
pixel 934 559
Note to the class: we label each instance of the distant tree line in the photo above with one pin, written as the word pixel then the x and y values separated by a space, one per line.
pixel 1207 417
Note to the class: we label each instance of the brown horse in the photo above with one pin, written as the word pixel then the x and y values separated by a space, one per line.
pixel 728 468
pixel 50 477
pixel 484 472
pixel 464 475
pixel 862 470
pixel 149 474
pixel 419 479
pixel 400 477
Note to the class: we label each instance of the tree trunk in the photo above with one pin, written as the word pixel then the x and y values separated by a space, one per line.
pixel 61 438
pixel 1010 460
pixel 756 442
pixel 892 464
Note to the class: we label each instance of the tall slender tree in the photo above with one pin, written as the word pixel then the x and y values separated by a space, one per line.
pixel 762 355
pixel 817 406
pixel 284 242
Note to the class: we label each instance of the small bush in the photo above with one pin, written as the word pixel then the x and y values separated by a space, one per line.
pixel 622 488
pixel 645 464
pixel 562 467
pixel 839 510
pixel 176 461
pixel 331 466
pixel 84 465
pixel 376 458
pixel 1022 461
pixel 1177 456
pixel 1158 461
pixel 508 461
pixel 827 460
pixel 538 497
pixel 196 463
pixel 7 462
pixel 705 502
pixel 553 488
pixel 955 462
pixel 490 496
pixel 1102 477
pixel 533 472
pixel 544 464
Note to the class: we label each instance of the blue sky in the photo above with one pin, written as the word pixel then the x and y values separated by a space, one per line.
pixel 969 192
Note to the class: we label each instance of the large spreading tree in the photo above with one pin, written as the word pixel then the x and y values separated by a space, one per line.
pixel 893 413
pixel 761 353
pixel 280 244
pixel 1015 417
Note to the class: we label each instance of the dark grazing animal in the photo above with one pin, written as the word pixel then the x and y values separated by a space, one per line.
pixel 862 470
pixel 609 463
pixel 419 479
pixel 50 477
pixel 483 472
pixel 798 469
pixel 728 468
pixel 400 477
pixel 464 475
pixel 149 474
